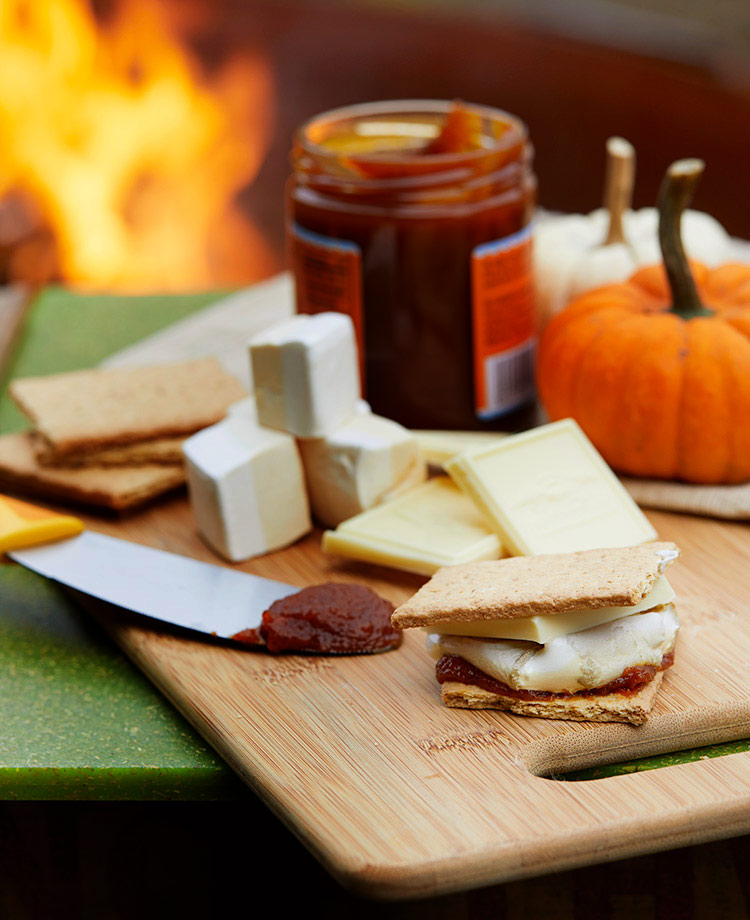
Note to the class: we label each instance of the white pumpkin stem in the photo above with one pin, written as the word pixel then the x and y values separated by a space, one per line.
pixel 618 186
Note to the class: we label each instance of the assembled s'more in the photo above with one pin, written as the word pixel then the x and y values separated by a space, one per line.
pixel 583 636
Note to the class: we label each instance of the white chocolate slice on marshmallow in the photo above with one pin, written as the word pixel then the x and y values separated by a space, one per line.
pixel 546 627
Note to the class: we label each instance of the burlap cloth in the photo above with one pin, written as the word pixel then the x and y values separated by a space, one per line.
pixel 730 502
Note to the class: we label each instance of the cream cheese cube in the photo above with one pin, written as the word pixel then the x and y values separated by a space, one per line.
pixel 358 466
pixel 245 408
pixel 246 487
pixel 306 374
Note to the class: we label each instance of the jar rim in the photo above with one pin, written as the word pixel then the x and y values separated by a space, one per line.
pixel 516 133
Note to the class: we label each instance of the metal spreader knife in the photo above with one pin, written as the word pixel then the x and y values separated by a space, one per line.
pixel 165 586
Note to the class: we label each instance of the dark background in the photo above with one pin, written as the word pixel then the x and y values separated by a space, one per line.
pixel 672 89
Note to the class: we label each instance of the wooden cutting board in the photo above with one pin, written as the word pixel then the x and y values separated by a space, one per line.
pixel 400 797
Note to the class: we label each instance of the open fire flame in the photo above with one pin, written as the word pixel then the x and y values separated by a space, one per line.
pixel 127 156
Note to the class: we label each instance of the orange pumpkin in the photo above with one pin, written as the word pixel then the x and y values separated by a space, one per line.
pixel 657 370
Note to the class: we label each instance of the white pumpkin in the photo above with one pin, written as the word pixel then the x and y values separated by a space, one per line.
pixel 570 255
pixel 576 252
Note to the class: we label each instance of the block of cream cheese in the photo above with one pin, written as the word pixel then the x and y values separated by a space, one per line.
pixel 246 487
pixel 431 525
pixel 358 466
pixel 306 374
pixel 548 490
pixel 246 408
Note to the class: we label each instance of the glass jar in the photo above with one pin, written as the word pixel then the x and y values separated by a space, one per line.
pixel 414 217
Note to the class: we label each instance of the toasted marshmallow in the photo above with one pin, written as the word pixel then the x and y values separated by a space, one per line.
pixel 579 661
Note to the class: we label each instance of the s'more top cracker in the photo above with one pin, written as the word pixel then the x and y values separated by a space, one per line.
pixel 93 409
pixel 526 586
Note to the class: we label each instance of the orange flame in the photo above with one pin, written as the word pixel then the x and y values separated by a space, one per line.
pixel 134 159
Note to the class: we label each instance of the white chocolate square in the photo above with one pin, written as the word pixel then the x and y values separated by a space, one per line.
pixel 548 490
pixel 306 374
pixel 246 487
pixel 431 525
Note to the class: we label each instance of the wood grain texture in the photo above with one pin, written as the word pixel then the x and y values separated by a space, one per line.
pixel 400 797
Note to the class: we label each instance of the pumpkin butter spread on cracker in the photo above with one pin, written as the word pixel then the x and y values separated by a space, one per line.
pixel 584 636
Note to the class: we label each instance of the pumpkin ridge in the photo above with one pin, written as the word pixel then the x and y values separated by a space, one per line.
pixel 617 333
pixel 682 401
pixel 737 319
pixel 737 397
pixel 659 372
pixel 578 399
pixel 725 398
pixel 704 437
pixel 556 344
pixel 635 435
pixel 727 287
pixel 724 358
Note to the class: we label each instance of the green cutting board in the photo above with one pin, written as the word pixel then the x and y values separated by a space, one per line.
pixel 78 720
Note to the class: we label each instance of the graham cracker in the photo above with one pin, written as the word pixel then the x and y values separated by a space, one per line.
pixel 94 409
pixel 524 586
pixel 118 488
pixel 609 707
pixel 159 450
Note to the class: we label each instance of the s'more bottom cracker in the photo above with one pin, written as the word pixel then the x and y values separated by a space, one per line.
pixel 115 488
pixel 580 636
pixel 580 707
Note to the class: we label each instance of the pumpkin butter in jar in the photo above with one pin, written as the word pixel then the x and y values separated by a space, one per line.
pixel 414 218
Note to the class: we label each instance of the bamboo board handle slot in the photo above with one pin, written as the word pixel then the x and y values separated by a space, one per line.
pixel 550 757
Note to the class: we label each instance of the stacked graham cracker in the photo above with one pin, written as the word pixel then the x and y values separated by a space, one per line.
pixel 112 438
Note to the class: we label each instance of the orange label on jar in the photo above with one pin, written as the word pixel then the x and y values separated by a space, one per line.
pixel 328 277
pixel 504 324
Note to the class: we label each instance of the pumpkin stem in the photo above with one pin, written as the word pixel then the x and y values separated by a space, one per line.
pixel 618 185
pixel 675 194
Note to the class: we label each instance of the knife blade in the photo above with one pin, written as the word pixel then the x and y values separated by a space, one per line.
pixel 164 586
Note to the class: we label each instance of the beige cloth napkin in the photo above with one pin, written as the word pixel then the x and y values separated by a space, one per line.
pixel 730 502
